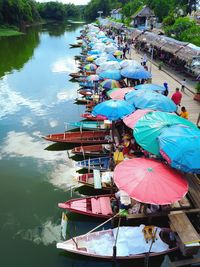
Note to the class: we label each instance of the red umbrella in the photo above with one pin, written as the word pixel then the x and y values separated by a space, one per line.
pixel 150 181
pixel 132 119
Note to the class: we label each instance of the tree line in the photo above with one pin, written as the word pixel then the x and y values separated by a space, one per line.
pixel 172 13
pixel 23 12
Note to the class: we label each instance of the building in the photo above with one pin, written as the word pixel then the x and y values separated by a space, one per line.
pixel 116 14
pixel 144 18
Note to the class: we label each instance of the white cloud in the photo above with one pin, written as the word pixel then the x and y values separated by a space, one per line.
pixel 75 2
pixel 20 144
pixel 64 65
pixel 11 101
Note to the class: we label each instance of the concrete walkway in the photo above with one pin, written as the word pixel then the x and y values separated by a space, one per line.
pixel 173 80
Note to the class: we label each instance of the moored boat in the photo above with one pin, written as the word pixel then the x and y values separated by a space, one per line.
pixel 100 150
pixel 90 125
pixel 76 74
pixel 101 163
pixel 86 137
pixel 130 243
pixel 85 92
pixel 89 116
pixel 75 45
pixel 103 180
pixel 83 100
pixel 97 206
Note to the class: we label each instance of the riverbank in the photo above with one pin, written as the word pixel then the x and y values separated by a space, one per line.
pixel 6 31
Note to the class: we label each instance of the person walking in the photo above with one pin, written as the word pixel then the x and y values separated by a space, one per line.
pixel 183 83
pixel 184 113
pixel 176 97
pixel 166 92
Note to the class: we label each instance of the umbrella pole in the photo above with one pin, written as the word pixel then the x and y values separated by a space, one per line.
pixel 146 259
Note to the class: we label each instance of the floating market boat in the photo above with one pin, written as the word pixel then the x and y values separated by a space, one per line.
pixel 97 180
pixel 90 125
pixel 75 45
pixel 85 92
pixel 86 137
pixel 101 163
pixel 100 150
pixel 83 100
pixel 97 206
pixel 89 116
pixel 130 243
pixel 76 74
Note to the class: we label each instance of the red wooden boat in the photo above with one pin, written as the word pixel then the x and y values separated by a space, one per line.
pixel 127 247
pixel 89 116
pixel 76 74
pixel 86 137
pixel 94 150
pixel 97 206
pixel 88 180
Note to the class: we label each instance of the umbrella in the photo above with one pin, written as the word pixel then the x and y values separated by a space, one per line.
pixel 129 63
pixel 113 109
pixel 150 126
pixel 90 67
pixel 111 74
pixel 150 86
pixel 132 119
pixel 90 58
pixel 119 93
pixel 135 73
pixel 94 78
pixel 110 65
pixel 109 84
pixel 180 146
pixel 118 53
pixel 143 99
pixel 94 52
pixel 150 181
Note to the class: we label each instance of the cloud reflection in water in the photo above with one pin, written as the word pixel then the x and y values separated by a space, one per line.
pixel 21 144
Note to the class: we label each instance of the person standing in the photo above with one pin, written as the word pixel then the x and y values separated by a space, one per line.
pixel 176 97
pixel 166 92
pixel 184 113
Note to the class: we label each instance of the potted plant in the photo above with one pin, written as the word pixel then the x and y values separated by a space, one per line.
pixel 160 65
pixel 197 95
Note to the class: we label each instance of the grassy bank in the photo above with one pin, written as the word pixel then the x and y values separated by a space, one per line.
pixel 9 31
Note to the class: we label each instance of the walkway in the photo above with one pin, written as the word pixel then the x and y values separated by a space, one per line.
pixel 173 80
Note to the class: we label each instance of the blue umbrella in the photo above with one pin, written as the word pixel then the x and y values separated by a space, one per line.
pixel 150 86
pixel 180 146
pixel 94 52
pixel 111 74
pixel 145 99
pixel 113 109
pixel 135 73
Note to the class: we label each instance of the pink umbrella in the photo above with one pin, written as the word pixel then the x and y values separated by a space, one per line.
pixel 119 94
pixel 150 181
pixel 132 119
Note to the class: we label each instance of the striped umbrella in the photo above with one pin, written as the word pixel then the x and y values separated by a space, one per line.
pixel 90 67
pixel 109 84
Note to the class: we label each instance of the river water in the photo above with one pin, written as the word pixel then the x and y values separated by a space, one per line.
pixel 36 98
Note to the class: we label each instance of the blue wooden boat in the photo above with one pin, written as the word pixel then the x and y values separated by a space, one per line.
pixel 89 125
pixel 95 163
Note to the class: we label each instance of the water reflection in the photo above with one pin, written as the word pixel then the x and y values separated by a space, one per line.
pixel 62 170
pixel 17 50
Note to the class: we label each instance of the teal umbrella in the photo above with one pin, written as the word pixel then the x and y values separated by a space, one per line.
pixel 150 126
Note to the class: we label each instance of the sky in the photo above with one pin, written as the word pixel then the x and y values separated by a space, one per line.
pixel 75 2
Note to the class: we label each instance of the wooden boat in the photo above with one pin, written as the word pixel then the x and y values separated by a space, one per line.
pixel 89 116
pixel 76 74
pixel 97 206
pixel 101 163
pixel 86 84
pixel 85 92
pixel 88 179
pixel 90 125
pixel 127 239
pixel 93 151
pixel 75 45
pixel 83 100
pixel 87 137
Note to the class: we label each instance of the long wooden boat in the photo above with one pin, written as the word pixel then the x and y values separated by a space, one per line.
pixel 76 74
pixel 86 84
pixel 89 125
pixel 85 92
pixel 75 45
pixel 101 163
pixel 89 116
pixel 83 100
pixel 100 150
pixel 87 137
pixel 130 243
pixel 88 179
pixel 97 206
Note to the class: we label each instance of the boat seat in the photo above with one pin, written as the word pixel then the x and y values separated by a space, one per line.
pixel 105 205
pixel 96 206
pixel 80 205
